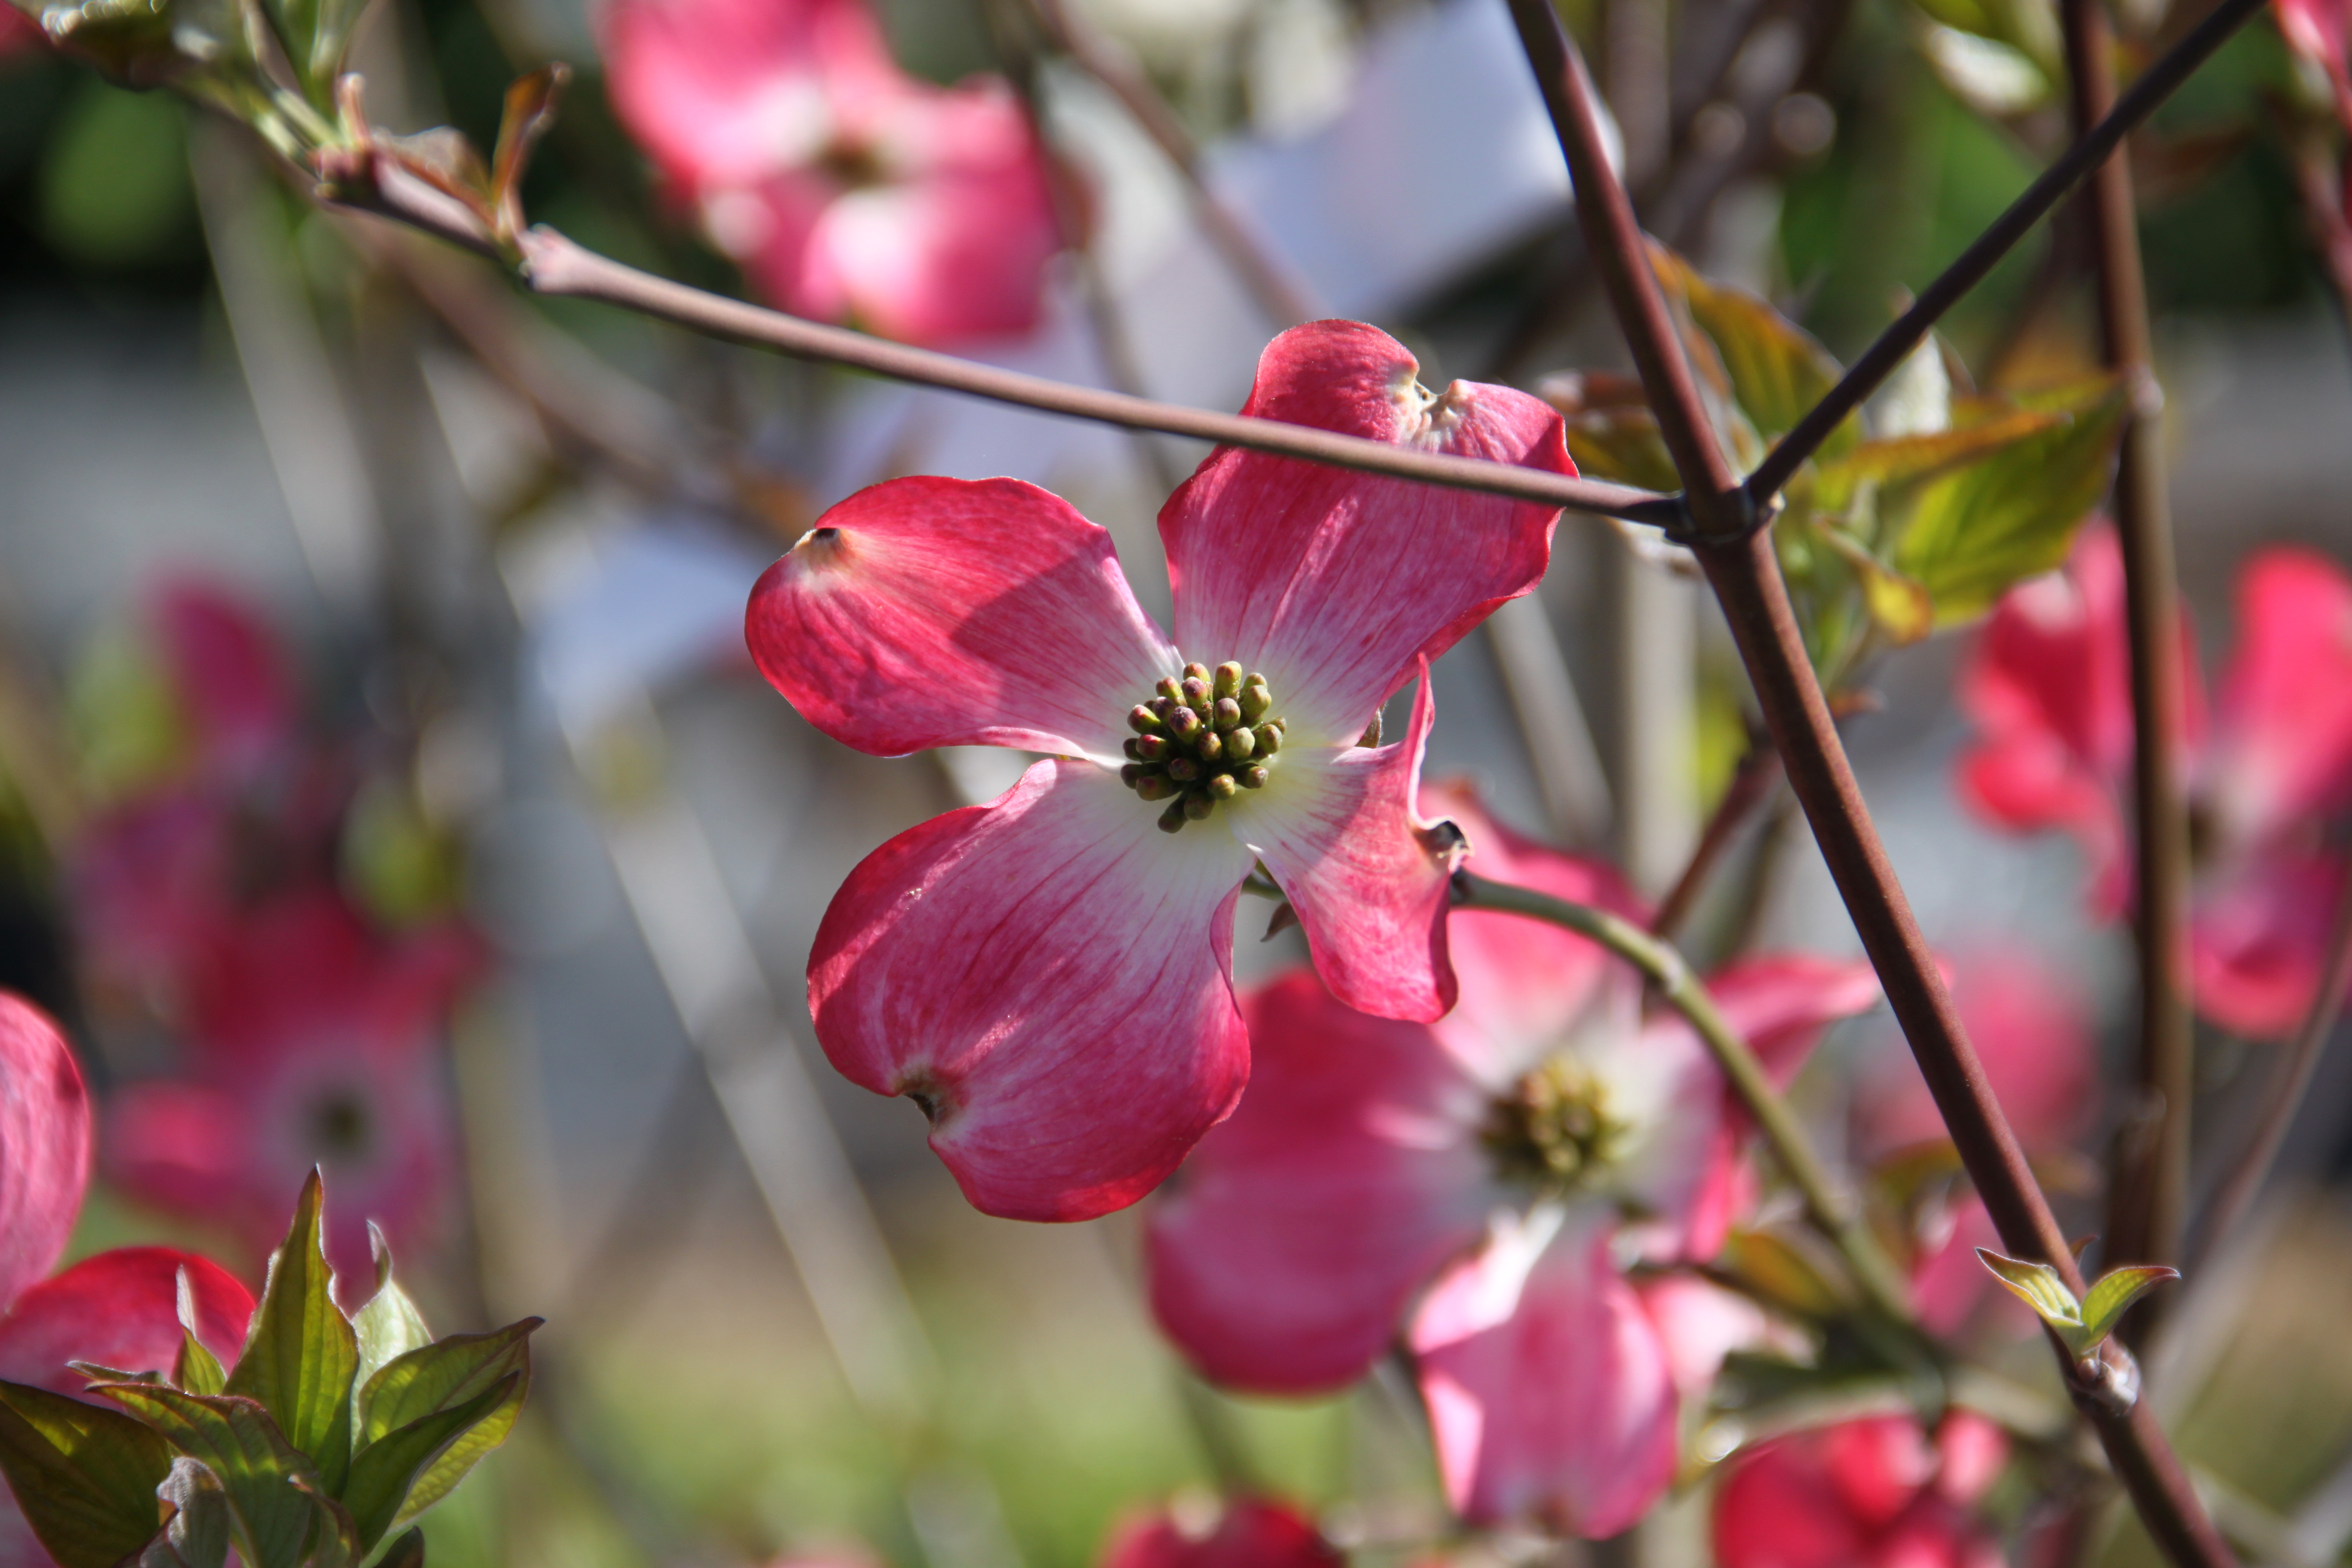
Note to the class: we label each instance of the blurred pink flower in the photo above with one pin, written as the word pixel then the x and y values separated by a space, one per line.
pixel 120 1308
pixel 2321 31
pixel 2033 1032
pixel 19 31
pixel 312 1042
pixel 847 189
pixel 2048 687
pixel 1049 974
pixel 1501 1164
pixel 1870 1493
pixel 1245 1532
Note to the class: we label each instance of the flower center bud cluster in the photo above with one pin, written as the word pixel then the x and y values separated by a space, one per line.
pixel 1205 737
pixel 1554 1127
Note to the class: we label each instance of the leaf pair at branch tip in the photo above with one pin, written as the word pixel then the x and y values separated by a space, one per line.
pixel 2085 1324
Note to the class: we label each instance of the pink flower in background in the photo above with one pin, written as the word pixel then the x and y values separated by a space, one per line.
pixel 312 1042
pixel 847 189
pixel 1245 1532
pixel 1872 1493
pixel 2033 1032
pixel 120 1308
pixel 19 31
pixel 2321 31
pixel 1479 1183
pixel 1048 975
pixel 2048 687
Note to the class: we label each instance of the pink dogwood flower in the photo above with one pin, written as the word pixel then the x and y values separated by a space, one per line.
pixel 118 1309
pixel 1878 1492
pixel 2321 32
pixel 1048 975
pixel 312 1043
pixel 845 188
pixel 2048 687
pixel 2033 1032
pixel 1480 1183
pixel 1245 1532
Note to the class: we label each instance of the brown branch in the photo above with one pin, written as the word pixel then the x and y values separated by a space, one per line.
pixel 554 265
pixel 2147 1194
pixel 1751 785
pixel 1894 344
pixel 1746 577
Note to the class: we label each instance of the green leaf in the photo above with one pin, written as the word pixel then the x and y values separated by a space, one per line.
pixel 408 1552
pixel 1900 459
pixel 1611 432
pixel 198 1371
pixel 2038 1285
pixel 85 1476
pixel 302 1356
pixel 235 1439
pixel 388 1327
pixel 335 1542
pixel 1968 536
pixel 386 1471
pixel 198 1534
pixel 1778 1270
pixel 440 1376
pixel 1776 370
pixel 2114 1293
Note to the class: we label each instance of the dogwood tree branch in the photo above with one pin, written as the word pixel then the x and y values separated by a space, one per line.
pixel 1828 1204
pixel 2148 1195
pixel 1740 565
pixel 554 265
pixel 2088 152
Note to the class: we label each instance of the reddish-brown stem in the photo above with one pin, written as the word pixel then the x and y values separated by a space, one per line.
pixel 1751 784
pixel 2088 152
pixel 554 265
pixel 1746 577
pixel 2148 1195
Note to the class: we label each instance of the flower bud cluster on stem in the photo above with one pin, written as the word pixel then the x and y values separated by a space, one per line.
pixel 1206 737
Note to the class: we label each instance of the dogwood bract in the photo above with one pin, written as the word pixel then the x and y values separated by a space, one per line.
pixel 1048 975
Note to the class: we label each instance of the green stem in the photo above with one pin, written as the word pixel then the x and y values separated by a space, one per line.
pixel 1831 1208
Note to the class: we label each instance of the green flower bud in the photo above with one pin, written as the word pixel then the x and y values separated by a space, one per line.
pixel 1155 786
pixel 1184 723
pixel 1199 672
pixel 1183 770
pixel 1209 747
pixel 1256 701
pixel 1241 744
pixel 1197 806
pixel 1151 749
pixel 1142 720
pixel 1172 688
pixel 1196 693
pixel 1229 679
pixel 1223 788
pixel 1269 739
pixel 1172 819
pixel 1131 774
pixel 1253 778
pixel 1129 749
pixel 1227 715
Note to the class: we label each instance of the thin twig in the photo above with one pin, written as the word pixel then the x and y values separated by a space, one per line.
pixel 1274 286
pixel 2291 1081
pixel 1751 785
pixel 2147 1194
pixel 1740 564
pixel 1831 1208
pixel 556 266
pixel 1894 344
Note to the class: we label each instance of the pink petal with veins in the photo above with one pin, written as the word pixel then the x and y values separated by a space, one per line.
pixel 1047 975
pixel 120 1310
pixel 44 1144
pixel 1333 583
pixel 2281 751
pixel 1550 1397
pixel 931 612
pixel 1368 875
pixel 1284 1254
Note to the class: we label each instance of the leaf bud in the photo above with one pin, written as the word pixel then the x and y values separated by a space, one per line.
pixel 1211 747
pixel 1142 720
pixel 1269 739
pixel 1229 679
pixel 1151 749
pixel 1172 819
pixel 1197 806
pixel 1184 723
pixel 1227 714
pixel 1253 778
pixel 1256 699
pixel 1223 788
pixel 1196 693
pixel 1183 770
pixel 1241 744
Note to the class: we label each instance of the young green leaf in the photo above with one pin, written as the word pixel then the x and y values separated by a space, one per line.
pixel 389 1326
pixel 2113 1294
pixel 2038 1285
pixel 197 1370
pixel 301 1357
pixel 384 1472
pixel 443 1374
pixel 196 1535
pixel 1776 370
pixel 408 1552
pixel 85 1476
pixel 1781 1270
pixel 235 1439
pixel 335 1542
